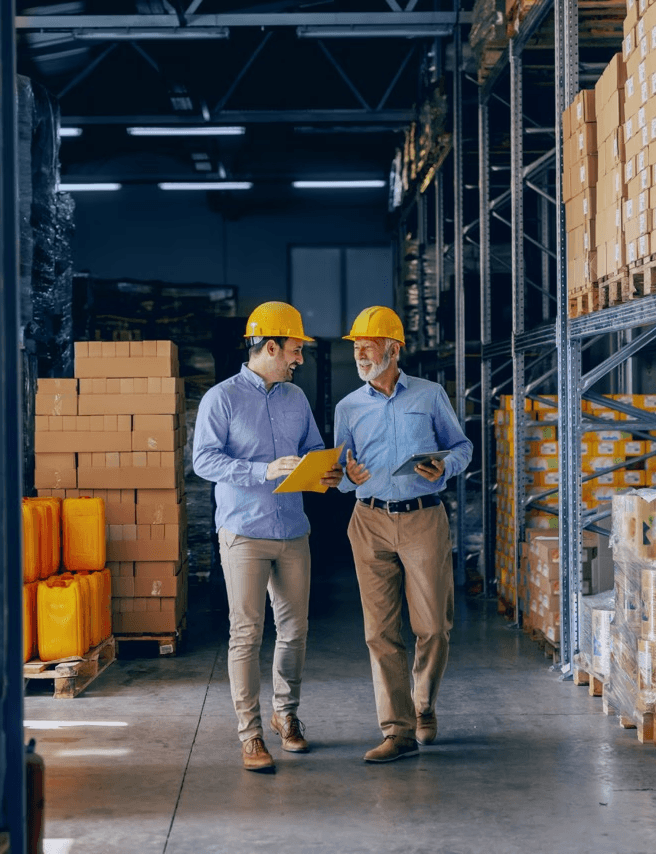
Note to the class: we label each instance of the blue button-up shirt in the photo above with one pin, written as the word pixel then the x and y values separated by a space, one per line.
pixel 241 428
pixel 382 432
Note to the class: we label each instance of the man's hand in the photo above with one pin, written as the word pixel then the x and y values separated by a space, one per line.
pixel 357 474
pixel 333 477
pixel 432 471
pixel 281 467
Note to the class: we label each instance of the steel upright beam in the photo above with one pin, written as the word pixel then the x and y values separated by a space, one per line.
pixel 458 266
pixel 569 355
pixel 12 761
pixel 487 469
pixel 518 314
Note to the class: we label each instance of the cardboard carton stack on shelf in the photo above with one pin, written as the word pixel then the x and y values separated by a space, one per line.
pixel 611 193
pixel 124 434
pixel 631 687
pixel 580 171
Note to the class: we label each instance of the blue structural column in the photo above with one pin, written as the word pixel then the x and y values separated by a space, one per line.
pixel 12 773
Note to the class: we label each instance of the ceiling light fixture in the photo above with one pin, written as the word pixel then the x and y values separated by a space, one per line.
pixel 67 131
pixel 81 188
pixel 359 31
pixel 206 185
pixel 342 185
pixel 186 131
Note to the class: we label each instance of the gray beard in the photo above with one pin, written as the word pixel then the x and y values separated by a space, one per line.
pixel 376 370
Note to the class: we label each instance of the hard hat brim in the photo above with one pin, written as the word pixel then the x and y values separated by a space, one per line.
pixel 298 337
pixel 358 337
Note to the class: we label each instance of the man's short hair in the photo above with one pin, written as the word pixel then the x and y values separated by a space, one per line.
pixel 258 343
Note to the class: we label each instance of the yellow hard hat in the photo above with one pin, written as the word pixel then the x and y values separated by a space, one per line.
pixel 276 319
pixel 377 322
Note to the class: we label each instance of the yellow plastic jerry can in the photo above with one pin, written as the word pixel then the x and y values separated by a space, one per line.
pixel 29 620
pixel 48 509
pixel 30 544
pixel 62 617
pixel 96 586
pixel 83 533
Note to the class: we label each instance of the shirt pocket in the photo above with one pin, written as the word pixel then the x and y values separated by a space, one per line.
pixel 418 427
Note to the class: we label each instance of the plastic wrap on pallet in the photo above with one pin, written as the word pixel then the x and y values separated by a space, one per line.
pixel 596 614
pixel 489 22
pixel 632 680
pixel 25 118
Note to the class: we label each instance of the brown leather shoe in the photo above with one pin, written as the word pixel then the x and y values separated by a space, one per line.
pixel 256 757
pixel 291 731
pixel 393 747
pixel 426 728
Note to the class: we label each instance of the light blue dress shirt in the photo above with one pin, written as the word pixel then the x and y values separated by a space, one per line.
pixel 382 432
pixel 240 429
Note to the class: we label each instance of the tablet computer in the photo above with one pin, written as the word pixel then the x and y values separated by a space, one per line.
pixel 408 467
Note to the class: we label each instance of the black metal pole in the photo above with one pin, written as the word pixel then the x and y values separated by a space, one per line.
pixel 12 761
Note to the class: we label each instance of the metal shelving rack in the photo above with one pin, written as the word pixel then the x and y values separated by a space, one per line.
pixel 568 338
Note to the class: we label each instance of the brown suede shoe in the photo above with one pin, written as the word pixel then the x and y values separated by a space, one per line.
pixel 256 757
pixel 393 747
pixel 291 731
pixel 426 728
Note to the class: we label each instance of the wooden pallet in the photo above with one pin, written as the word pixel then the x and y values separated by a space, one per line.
pixel 643 722
pixel 616 289
pixel 551 648
pixel 583 302
pixel 72 675
pixel 168 643
pixel 642 275
pixel 594 681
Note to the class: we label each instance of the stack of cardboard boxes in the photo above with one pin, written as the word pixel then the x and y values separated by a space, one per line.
pixel 580 169
pixel 611 193
pixel 117 432
pixel 631 687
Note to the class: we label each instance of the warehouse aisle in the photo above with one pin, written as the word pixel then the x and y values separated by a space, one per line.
pixel 147 759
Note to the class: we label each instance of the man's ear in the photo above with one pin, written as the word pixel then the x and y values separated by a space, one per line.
pixel 396 349
pixel 271 347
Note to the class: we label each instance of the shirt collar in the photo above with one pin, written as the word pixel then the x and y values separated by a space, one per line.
pixel 253 378
pixel 402 381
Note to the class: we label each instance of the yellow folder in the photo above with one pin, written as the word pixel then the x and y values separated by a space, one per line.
pixel 310 470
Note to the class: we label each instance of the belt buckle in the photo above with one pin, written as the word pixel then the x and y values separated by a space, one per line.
pixel 392 512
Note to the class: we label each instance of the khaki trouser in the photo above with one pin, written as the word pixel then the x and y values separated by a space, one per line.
pixel 251 567
pixel 410 551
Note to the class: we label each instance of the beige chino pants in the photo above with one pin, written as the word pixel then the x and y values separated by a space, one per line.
pixel 251 568
pixel 394 553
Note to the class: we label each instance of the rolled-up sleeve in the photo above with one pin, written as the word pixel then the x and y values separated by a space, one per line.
pixel 210 460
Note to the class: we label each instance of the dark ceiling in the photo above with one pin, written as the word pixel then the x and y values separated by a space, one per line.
pixel 316 108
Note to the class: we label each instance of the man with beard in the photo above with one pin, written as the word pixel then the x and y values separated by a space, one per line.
pixel 399 530
pixel 251 432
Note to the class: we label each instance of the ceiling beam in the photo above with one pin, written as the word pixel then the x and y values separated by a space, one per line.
pixel 169 23
pixel 240 117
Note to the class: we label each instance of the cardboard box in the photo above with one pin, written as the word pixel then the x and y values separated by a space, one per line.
pixel 46 385
pixel 161 514
pixel 150 543
pixel 583 108
pixel 131 478
pixel 152 440
pixel 129 404
pixel 156 366
pixel 157 568
pixel 55 479
pixel 147 622
pixel 159 496
pixel 55 404
pixel 50 442
pixel 167 586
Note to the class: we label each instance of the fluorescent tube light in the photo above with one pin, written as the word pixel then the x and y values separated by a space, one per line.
pixel 81 188
pixel 186 131
pixel 359 31
pixel 66 131
pixel 345 185
pixel 206 185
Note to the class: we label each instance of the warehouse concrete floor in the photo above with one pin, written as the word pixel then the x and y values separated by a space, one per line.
pixel 147 758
